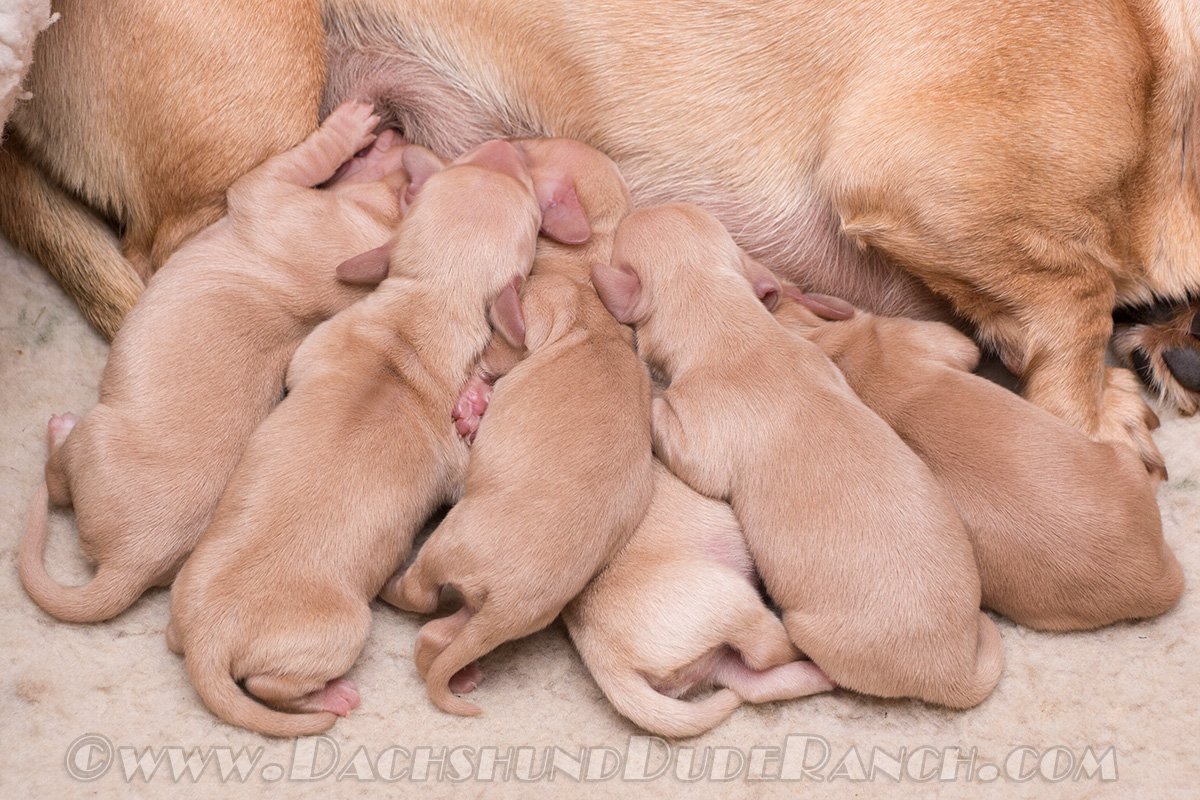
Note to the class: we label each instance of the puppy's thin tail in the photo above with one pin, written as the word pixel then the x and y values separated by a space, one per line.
pixel 478 637
pixel 107 594
pixel 989 664
pixel 633 697
pixel 211 676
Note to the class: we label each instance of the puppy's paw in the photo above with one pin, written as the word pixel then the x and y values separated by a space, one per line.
pixel 339 696
pixel 58 428
pixel 352 126
pixel 469 408
pixel 382 158
pixel 467 679
pixel 1127 419
pixel 1164 348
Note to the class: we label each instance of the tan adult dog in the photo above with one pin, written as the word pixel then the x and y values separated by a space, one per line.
pixel 678 611
pixel 1035 161
pixel 336 482
pixel 851 533
pixel 201 362
pixel 558 479
pixel 143 113
pixel 1066 531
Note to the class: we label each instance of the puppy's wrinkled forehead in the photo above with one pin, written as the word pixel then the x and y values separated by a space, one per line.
pixel 473 192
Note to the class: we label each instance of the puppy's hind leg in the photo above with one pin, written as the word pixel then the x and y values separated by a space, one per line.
pixel 338 696
pixel 417 589
pixel 58 483
pixel 783 682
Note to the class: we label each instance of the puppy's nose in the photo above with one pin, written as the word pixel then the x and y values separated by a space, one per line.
pixel 499 156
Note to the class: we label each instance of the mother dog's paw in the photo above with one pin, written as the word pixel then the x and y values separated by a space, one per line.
pixel 1163 346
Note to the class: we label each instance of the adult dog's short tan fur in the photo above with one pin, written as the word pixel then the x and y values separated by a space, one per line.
pixel 336 482
pixel 201 361
pixel 678 610
pixel 142 114
pixel 852 535
pixel 561 474
pixel 1033 161
pixel 1066 531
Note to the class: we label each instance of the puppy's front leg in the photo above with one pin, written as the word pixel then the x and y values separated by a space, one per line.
pixel 673 447
pixel 344 132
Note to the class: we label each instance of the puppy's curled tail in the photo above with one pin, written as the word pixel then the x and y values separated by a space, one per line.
pixel 989 664
pixel 633 696
pixel 478 637
pixel 107 594
pixel 210 675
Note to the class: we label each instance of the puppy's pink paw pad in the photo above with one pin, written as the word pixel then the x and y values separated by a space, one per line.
pixel 472 404
pixel 59 426
pixel 339 696
pixel 467 679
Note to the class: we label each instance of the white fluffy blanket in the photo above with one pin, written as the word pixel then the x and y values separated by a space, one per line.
pixel 20 23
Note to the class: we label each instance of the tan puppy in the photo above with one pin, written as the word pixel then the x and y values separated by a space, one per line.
pixel 1066 531
pixel 1033 161
pixel 143 113
pixel 202 361
pixel 852 535
pixel 677 611
pixel 335 483
pixel 584 197
pixel 558 479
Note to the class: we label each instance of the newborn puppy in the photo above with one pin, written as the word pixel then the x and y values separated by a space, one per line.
pixel 850 531
pixel 335 483
pixel 201 360
pixel 585 198
pixel 1066 530
pixel 558 479
pixel 677 611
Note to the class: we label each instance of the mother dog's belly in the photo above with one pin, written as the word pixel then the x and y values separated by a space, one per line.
pixel 800 240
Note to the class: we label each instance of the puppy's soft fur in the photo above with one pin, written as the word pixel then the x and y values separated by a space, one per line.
pixel 586 197
pixel 1066 531
pixel 559 477
pixel 676 611
pixel 335 483
pixel 851 533
pixel 142 114
pixel 1033 161
pixel 201 362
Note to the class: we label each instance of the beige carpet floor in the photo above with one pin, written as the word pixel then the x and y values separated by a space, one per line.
pixel 106 710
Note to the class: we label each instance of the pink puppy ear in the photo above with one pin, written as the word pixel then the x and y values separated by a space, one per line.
pixel 563 218
pixel 823 305
pixel 365 269
pixel 766 285
pixel 506 315
pixel 620 290
pixel 420 164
